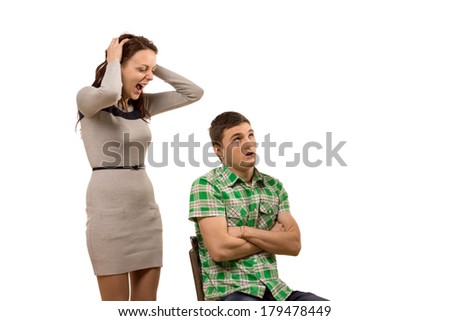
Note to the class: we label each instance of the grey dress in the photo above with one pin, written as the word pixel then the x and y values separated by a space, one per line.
pixel 123 229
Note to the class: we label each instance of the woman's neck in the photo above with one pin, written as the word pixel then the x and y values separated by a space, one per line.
pixel 124 106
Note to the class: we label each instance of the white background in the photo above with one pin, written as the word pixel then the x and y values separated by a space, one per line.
pixel 374 73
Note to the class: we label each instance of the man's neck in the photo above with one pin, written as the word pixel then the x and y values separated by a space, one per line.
pixel 246 174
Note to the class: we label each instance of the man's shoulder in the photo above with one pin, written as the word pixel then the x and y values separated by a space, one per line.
pixel 269 179
pixel 211 177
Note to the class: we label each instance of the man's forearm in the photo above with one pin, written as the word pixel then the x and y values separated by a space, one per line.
pixel 238 248
pixel 286 242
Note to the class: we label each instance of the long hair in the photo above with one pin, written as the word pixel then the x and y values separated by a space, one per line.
pixel 129 49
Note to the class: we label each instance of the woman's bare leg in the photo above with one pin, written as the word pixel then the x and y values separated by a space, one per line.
pixel 114 287
pixel 144 284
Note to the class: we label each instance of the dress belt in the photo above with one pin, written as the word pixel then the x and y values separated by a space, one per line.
pixel 133 167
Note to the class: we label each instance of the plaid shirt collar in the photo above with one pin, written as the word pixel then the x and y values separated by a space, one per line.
pixel 229 178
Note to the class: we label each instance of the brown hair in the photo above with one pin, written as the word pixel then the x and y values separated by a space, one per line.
pixel 130 48
pixel 222 122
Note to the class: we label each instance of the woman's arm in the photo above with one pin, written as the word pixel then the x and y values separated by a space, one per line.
pixel 90 99
pixel 186 92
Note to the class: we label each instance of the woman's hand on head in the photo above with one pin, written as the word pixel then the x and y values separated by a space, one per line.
pixel 114 51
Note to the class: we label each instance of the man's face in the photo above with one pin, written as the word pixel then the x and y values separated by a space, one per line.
pixel 239 147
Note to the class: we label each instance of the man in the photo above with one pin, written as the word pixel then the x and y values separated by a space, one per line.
pixel 242 220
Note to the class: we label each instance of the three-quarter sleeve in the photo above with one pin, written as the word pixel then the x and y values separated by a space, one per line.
pixel 90 99
pixel 186 92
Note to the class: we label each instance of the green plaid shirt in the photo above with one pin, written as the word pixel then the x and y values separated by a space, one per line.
pixel 222 193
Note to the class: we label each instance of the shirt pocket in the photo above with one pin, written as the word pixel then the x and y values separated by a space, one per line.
pixel 236 213
pixel 268 212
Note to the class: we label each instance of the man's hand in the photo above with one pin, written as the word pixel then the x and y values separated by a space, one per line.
pixel 221 245
pixel 238 231
pixel 235 231
pixel 282 238
pixel 278 227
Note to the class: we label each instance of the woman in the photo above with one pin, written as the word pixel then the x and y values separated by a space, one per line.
pixel 124 231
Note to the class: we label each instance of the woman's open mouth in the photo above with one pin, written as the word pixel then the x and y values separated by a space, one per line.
pixel 139 89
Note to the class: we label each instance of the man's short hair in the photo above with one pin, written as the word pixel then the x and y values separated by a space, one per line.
pixel 222 122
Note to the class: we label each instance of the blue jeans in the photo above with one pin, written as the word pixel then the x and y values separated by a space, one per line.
pixel 295 296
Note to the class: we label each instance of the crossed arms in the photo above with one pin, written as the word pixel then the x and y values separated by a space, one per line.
pixel 231 243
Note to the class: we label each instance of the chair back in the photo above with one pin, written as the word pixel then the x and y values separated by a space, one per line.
pixel 196 268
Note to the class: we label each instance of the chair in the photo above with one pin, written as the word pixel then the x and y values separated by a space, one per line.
pixel 196 268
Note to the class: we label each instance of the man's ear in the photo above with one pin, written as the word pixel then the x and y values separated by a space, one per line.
pixel 218 151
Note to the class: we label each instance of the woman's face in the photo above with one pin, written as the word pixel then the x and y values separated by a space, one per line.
pixel 137 72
